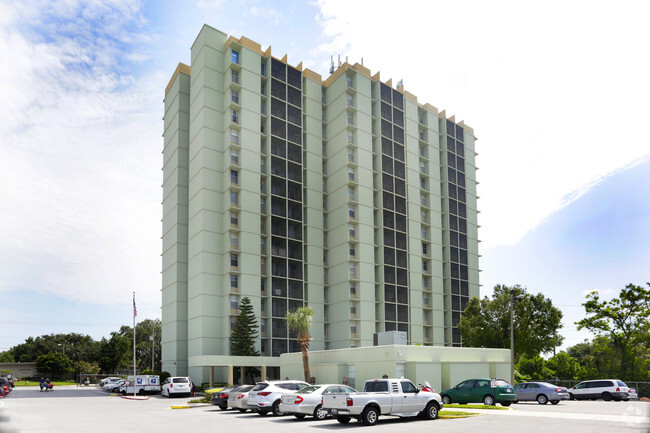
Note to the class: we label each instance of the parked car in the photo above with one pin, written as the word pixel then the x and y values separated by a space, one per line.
pixel 265 397
pixel 307 401
pixel 607 389
pixel 480 391
pixel 176 385
pixel 220 398
pixel 5 387
pixel 397 397
pixel 105 380
pixel 632 394
pixel 114 386
pixel 542 392
pixel 238 399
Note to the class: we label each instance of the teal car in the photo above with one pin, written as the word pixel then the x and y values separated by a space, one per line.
pixel 480 391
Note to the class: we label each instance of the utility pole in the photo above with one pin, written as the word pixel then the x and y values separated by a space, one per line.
pixel 512 340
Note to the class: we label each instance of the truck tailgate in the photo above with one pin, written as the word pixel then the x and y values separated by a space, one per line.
pixel 335 401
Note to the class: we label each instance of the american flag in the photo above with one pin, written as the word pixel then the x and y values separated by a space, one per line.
pixel 135 310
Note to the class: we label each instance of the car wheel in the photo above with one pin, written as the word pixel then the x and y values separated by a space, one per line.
pixel 223 406
pixel 276 409
pixel 319 414
pixel 262 412
pixel 542 399
pixel 370 416
pixel 299 416
pixel 506 403
pixel 555 401
pixel 606 396
pixel 123 392
pixel 343 419
pixel 446 399
pixel 571 396
pixel 242 410
pixel 431 411
pixel 141 392
pixel 488 400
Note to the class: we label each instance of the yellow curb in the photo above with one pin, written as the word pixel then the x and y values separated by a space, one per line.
pixel 458 416
pixel 180 407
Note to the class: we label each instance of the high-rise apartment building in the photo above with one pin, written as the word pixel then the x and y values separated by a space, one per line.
pixel 341 193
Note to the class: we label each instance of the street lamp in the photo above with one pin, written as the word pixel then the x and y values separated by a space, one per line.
pixel 513 298
pixel 153 350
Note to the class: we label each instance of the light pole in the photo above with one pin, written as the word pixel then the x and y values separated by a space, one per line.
pixel 153 351
pixel 513 298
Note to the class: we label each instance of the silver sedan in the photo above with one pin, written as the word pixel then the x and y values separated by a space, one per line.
pixel 238 399
pixel 307 401
pixel 542 392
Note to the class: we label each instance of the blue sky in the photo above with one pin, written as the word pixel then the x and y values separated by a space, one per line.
pixel 557 93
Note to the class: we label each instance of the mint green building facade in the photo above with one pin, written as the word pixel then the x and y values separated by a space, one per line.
pixel 344 194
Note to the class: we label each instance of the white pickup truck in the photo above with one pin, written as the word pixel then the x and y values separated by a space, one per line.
pixel 398 397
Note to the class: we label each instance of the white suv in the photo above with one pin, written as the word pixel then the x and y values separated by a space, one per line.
pixel 607 389
pixel 176 385
pixel 265 397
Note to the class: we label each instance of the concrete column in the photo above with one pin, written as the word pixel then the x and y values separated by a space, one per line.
pixel 211 376
pixel 241 376
pixel 263 368
pixel 230 375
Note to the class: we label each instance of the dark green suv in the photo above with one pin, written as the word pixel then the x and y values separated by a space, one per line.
pixel 480 391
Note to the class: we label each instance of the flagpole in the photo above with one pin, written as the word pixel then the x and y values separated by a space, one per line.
pixel 135 313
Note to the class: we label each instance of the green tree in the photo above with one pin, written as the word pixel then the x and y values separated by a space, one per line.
pixel 6 357
pixel 77 347
pixel 300 322
pixel 243 337
pixel 145 347
pixel 486 322
pixel 83 367
pixel 533 367
pixel 624 323
pixel 53 363
pixel 116 352
pixel 564 366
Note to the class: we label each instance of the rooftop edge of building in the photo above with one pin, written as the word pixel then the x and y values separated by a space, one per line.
pixel 314 76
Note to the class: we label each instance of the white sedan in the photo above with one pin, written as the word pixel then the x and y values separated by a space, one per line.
pixel 114 386
pixel 307 401
pixel 176 385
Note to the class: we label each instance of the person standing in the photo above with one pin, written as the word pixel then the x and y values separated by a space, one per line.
pixel 42 384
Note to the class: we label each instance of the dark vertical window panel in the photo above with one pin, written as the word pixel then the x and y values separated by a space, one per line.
pixel 389 313
pixel 398 134
pixel 402 313
pixel 453 222
pixel 455 287
pixel 461 195
pixel 451 146
pixel 462 241
pixel 398 99
pixel 451 175
pixel 451 160
pixel 460 149
pixel 401 259
pixel 386 112
pixel 389 274
pixel 294 97
pixel 278 128
pixel 402 277
pixel 279 287
pixel 455 303
pixel 398 117
pixel 278 186
pixel 278 147
pixel 386 146
pixel 400 240
pixel 400 187
pixel 400 170
pixel 278 70
pixel 279 268
pixel 455 270
pixel 400 222
pixel 294 210
pixel 390 326
pixel 295 269
pixel 389 237
pixel 400 205
pixel 388 201
pixel 386 164
pixel 451 128
pixel 453 207
pixel 294 133
pixel 389 219
pixel 453 254
pixel 278 226
pixel 294 115
pixel 402 295
pixel 452 191
pixel 385 92
pixel 389 256
pixel 463 257
pixel 387 182
pixel 295 250
pixel 399 152
pixel 278 246
pixel 403 327
pixel 389 293
pixel 278 90
pixel 294 77
pixel 464 274
pixel 464 288
pixel 453 239
pixel 294 153
pixel 278 108
pixel 296 290
pixel 460 133
pixel 462 210
pixel 460 180
pixel 460 164
pixel 278 206
pixel 386 129
pixel 278 167
pixel 294 191
pixel 462 225
pixel 294 172
pixel 463 302
pixel 278 347
pixel 294 230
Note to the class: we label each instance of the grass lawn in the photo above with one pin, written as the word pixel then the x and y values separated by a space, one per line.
pixel 450 414
pixel 474 406
pixel 35 383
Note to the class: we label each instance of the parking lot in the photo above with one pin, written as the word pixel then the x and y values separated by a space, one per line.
pixel 86 409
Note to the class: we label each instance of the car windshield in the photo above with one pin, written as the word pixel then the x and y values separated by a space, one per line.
pixel 308 389
pixel 548 385
pixel 501 382
pixel 260 386
pixel 180 380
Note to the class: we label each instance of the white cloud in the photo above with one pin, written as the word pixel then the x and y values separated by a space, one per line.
pixel 80 157
pixel 556 92
pixel 267 13
pixel 210 4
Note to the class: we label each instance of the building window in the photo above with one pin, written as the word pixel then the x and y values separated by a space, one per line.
pixel 234 219
pixel 350 155
pixel 234 303
pixel 350 119
pixel 351 212
pixel 423 183
pixel 235 56
pixel 234 241
pixel 234 177
pixel 234 260
pixel 425 249
pixel 423 167
pixel 349 80
pixel 234 137
pixel 425 265
pixel 234 96
pixel 234 281
pixel 235 77
pixel 351 231
pixel 350 137
pixel 351 174
pixel 234 198
pixel 350 100
pixel 353 289
pixel 234 157
pixel 353 330
pixel 352 250
pixel 234 116
pixel 353 310
pixel 353 270
pixel 263 69
pixel 351 193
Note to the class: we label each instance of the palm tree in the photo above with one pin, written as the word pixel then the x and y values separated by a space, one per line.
pixel 300 321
